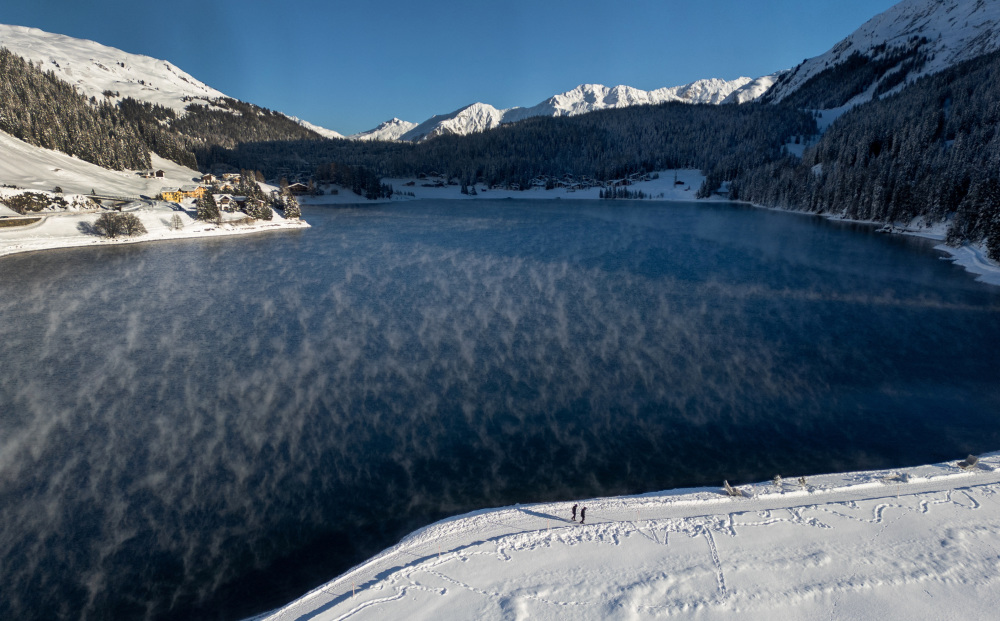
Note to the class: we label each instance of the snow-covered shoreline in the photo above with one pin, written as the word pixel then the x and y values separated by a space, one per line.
pixel 895 544
pixel 63 230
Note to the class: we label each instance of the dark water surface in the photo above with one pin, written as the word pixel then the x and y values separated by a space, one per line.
pixel 209 428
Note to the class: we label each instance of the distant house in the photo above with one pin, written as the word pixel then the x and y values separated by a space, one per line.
pixel 209 178
pixel 159 174
pixel 298 188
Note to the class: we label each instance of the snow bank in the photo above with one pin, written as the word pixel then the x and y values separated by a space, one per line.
pixel 973 259
pixel 894 544
pixel 71 229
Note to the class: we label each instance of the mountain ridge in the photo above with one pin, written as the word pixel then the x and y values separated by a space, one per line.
pixel 479 116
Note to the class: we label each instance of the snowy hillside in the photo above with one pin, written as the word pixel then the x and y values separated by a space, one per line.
pixel 480 117
pixel 955 30
pixel 94 69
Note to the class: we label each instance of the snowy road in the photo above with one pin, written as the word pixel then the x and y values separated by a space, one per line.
pixel 858 545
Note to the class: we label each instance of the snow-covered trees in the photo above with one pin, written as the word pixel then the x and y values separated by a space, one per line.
pixel 207 209
pixel 290 206
pixel 42 110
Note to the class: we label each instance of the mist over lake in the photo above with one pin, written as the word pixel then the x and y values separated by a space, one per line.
pixel 209 428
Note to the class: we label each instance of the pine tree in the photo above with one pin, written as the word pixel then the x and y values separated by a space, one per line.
pixel 207 209
pixel 290 207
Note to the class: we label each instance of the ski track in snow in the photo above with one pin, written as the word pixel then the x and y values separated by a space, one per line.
pixel 863 529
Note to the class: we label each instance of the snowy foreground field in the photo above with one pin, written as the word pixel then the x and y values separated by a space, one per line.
pixel 913 543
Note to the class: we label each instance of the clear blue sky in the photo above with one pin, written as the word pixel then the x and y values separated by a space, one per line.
pixel 349 65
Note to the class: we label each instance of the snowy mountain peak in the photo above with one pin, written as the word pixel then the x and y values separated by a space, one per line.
pixel 474 118
pixel 937 34
pixel 389 130
pixel 480 117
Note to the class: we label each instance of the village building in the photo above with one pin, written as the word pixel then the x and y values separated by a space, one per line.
pixel 172 194
pixel 193 191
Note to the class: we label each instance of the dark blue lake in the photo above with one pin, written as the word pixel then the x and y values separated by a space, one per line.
pixel 209 428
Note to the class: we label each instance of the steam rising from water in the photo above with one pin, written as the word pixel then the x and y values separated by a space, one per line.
pixel 218 425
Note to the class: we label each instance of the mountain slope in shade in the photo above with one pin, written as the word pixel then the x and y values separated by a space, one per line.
pixel 94 69
pixel 480 117
pixel 955 30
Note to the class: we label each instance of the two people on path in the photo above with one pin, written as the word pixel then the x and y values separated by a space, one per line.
pixel 583 514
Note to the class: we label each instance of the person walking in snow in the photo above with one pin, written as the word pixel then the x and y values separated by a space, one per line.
pixel 574 513
pixel 583 514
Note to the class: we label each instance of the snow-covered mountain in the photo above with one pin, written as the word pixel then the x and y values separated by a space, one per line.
pixel 753 89
pixel 390 130
pixel 480 117
pixel 955 30
pixel 95 69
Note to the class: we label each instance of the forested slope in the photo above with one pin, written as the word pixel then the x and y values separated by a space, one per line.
pixel 42 110
pixel 932 150
pixel 119 133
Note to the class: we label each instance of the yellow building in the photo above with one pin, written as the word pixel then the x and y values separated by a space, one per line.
pixel 172 195
pixel 177 196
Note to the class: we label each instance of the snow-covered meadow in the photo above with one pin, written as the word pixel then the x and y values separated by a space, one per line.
pixel 908 543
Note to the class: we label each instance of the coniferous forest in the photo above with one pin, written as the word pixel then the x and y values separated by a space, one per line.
pixel 42 110
pixel 931 150
pixel 609 144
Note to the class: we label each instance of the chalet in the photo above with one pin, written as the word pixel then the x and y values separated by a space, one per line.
pixel 209 178
pixel 150 173
pixel 298 189
pixel 225 202
pixel 159 174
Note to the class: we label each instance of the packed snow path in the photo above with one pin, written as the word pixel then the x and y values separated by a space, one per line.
pixel 914 543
